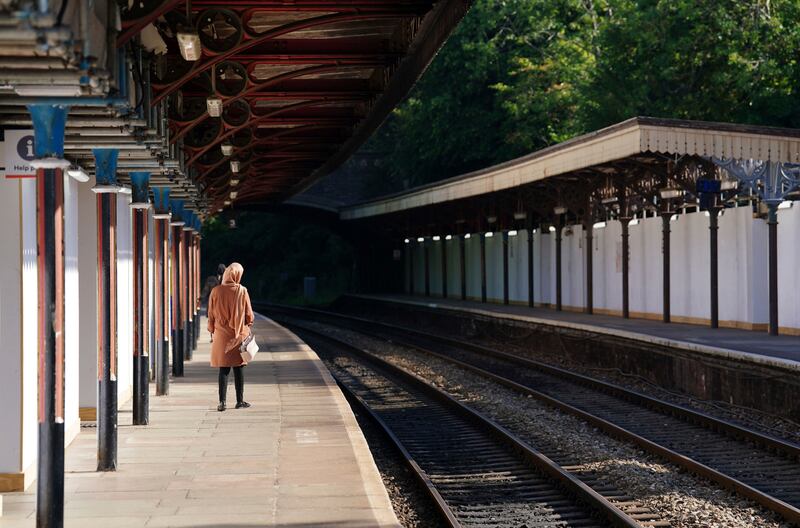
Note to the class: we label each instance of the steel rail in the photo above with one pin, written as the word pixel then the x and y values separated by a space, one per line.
pixel 441 505
pixel 541 463
pixel 734 431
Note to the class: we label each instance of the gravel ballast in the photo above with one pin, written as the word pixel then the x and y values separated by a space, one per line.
pixel 680 498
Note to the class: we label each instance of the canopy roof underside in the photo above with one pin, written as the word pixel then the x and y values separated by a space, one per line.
pixel 303 83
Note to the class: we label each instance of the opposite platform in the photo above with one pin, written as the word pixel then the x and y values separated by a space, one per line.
pixel 296 458
pixel 748 346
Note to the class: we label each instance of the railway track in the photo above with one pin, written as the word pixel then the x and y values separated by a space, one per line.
pixel 477 473
pixel 754 465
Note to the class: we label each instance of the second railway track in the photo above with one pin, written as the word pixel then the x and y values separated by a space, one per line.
pixel 757 466
pixel 480 474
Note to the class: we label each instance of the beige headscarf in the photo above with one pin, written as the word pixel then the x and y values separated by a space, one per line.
pixel 234 314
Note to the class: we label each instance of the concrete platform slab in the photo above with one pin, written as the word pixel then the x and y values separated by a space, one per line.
pixel 295 458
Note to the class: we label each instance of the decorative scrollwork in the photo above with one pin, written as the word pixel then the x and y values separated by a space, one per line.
pixel 236 113
pixel 231 78
pixel 220 30
pixel 769 180
pixel 138 9
pixel 204 133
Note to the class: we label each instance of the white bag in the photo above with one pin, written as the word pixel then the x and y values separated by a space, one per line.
pixel 249 348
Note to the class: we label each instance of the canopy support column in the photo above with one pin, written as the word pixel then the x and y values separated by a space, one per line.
pixel 49 122
pixel 107 189
pixel 161 290
pixel 185 283
pixel 176 266
pixel 530 267
pixel 558 267
pixel 427 260
pixel 444 267
pixel 483 266
pixel 505 267
pixel 462 265
pixel 665 236
pixel 625 267
pixel 713 226
pixel 589 309
pixel 140 184
pixel 772 226
pixel 198 283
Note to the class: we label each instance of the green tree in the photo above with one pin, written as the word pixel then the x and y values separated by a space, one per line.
pixel 518 75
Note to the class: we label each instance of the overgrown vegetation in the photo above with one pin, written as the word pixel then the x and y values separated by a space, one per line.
pixel 277 252
pixel 518 75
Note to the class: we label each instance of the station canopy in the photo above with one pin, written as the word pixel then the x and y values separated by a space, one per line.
pixel 300 84
pixel 639 164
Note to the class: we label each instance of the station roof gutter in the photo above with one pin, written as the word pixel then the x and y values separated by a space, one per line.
pixel 628 139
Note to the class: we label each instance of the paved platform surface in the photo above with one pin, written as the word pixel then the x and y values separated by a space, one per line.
pixel 296 458
pixel 757 347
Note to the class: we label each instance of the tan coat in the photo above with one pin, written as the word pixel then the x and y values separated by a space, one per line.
pixel 226 302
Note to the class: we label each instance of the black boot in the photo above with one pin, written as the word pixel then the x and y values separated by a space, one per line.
pixel 221 407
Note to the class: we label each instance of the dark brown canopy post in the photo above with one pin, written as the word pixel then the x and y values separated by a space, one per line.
pixel 444 266
pixel 505 267
pixel 176 223
pixel 624 220
pixel 140 203
pixel 161 270
pixel 49 124
pixel 427 259
pixel 530 231
pixel 713 227
pixel 482 238
pixel 106 190
pixel 589 229
pixel 462 265
pixel 558 226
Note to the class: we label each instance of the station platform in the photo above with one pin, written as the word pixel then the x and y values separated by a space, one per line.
pixel 740 345
pixel 296 458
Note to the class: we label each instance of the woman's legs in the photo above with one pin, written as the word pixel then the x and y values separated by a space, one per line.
pixel 223 383
pixel 238 380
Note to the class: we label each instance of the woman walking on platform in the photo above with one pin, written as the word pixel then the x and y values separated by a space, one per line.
pixel 230 317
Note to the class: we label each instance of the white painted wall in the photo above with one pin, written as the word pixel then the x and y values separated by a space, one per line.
pixel 124 299
pixel 87 268
pixel 72 317
pixel 29 330
pixel 789 266
pixel 11 353
pixel 743 278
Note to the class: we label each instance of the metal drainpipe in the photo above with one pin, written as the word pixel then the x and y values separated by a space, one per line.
pixel 49 125
pixel 140 204
pixel 106 190
pixel 161 292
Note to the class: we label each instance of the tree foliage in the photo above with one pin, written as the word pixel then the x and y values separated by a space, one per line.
pixel 518 75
